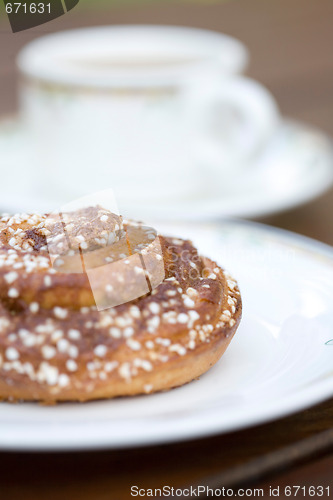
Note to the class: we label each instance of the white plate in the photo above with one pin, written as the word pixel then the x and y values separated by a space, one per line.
pixel 295 167
pixel 280 360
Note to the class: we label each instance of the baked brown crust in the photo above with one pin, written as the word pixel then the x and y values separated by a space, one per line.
pixel 161 340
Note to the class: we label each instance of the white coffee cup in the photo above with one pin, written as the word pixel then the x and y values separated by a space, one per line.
pixel 148 111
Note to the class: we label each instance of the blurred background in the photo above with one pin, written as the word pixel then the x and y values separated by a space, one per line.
pixel 288 42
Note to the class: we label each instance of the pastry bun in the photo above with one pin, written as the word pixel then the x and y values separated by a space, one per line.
pixel 57 344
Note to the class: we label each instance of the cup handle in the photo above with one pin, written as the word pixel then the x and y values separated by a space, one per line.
pixel 248 102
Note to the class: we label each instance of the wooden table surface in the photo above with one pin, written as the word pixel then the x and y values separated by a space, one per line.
pixel 291 47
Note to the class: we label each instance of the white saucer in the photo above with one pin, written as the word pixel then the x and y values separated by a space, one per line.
pixel 279 362
pixel 295 167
